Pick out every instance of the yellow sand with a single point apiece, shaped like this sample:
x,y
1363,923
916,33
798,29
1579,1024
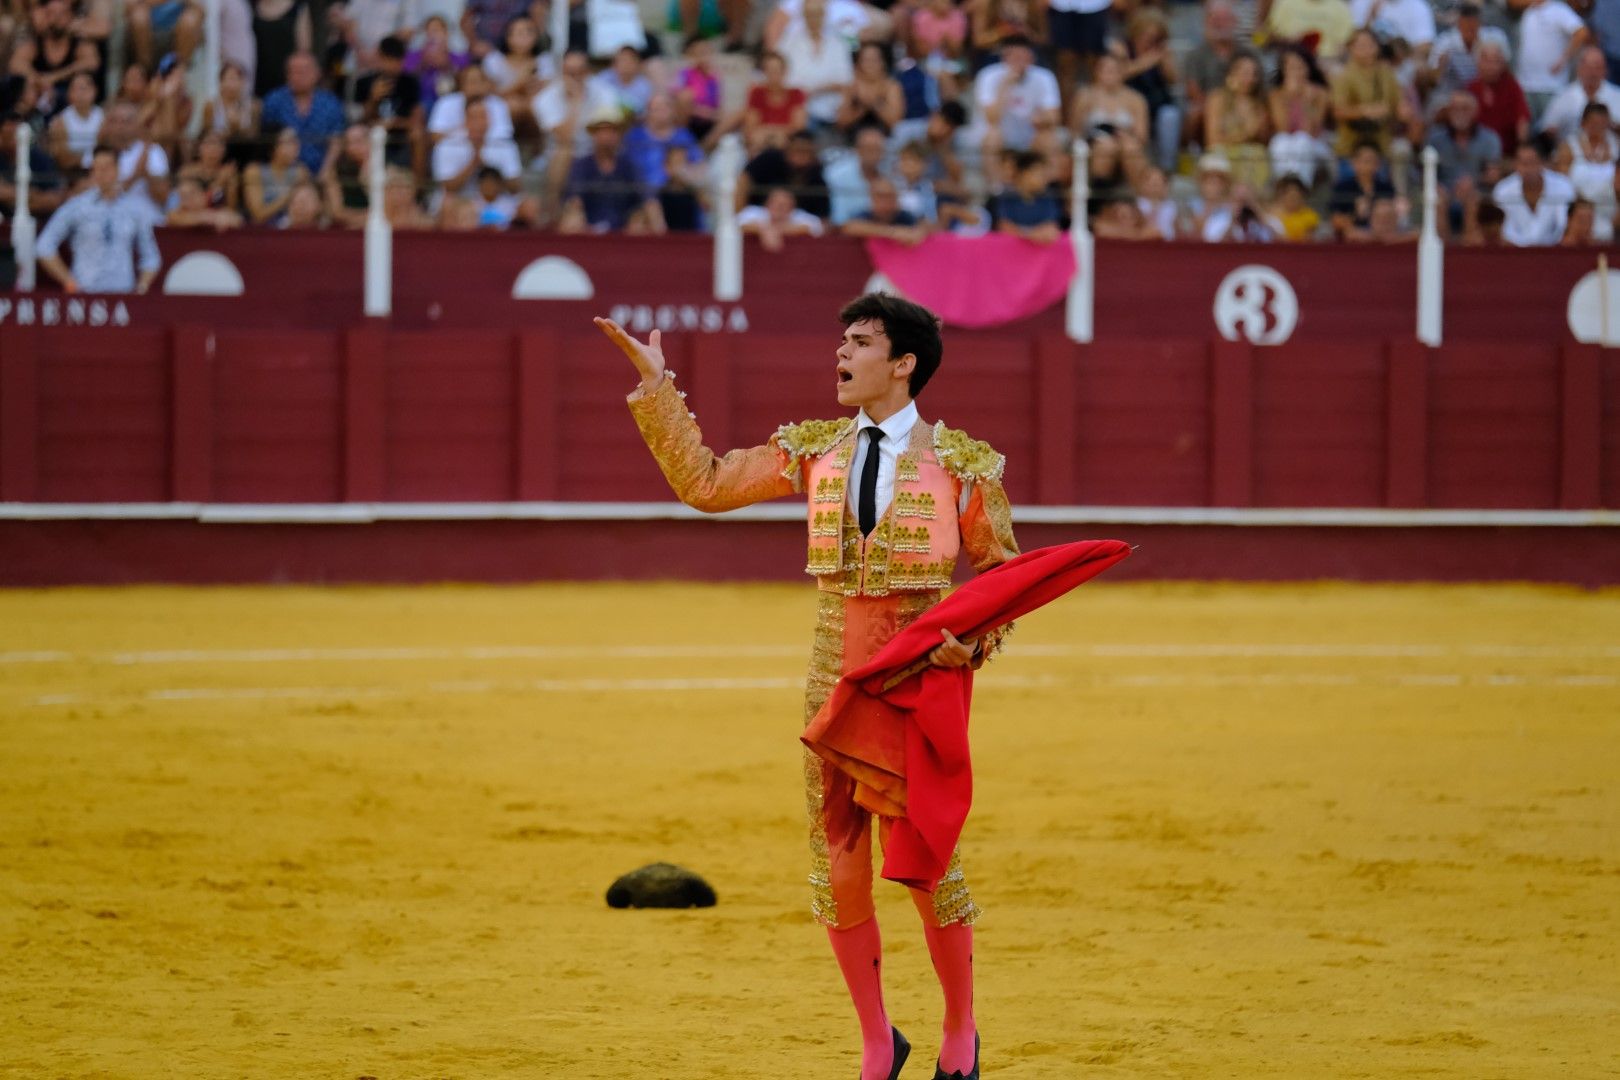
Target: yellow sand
x,y
1221,831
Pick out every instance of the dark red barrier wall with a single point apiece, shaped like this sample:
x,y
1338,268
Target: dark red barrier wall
x,y
369,414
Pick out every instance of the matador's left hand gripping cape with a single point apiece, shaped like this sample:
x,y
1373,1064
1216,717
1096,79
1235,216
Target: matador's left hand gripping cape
x,y
897,725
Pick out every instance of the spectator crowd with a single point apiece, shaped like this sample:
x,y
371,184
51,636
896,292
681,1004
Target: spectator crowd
x,y
1237,120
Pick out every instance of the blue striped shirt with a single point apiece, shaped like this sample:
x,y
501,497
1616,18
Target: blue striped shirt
x,y
111,240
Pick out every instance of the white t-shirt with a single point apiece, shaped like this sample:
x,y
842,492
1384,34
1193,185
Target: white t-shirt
x,y
551,109
1413,20
810,67
845,18
1543,226
449,116
501,73
1036,92
453,154
1563,115
157,164
758,215
1544,33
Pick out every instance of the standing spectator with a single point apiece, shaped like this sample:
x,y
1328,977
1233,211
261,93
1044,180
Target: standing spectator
x,y
235,112
626,83
1565,112
113,247
391,96
458,161
697,94
267,188
1150,70
1535,201
1079,34
1237,122
1207,63
1298,220
1113,119
872,97
159,27
1367,100
1502,105
1453,64
302,105
605,193
795,167
883,219
1028,208
75,130
1588,159
1550,34
1353,197
1298,106
774,110
281,29
849,178
1467,148
434,63
777,219
1410,20
1327,23
649,141
143,166
1018,101
818,62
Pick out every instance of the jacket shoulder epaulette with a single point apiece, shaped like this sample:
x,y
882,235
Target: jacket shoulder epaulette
x,y
966,458
811,438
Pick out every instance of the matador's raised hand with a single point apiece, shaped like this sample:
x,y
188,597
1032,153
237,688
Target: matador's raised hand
x,y
648,358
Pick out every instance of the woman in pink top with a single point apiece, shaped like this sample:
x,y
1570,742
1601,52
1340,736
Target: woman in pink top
x,y
697,93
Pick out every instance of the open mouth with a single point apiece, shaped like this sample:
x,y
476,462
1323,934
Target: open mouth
x,y
844,376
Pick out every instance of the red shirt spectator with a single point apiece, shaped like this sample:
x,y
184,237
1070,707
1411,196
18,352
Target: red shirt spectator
x,y
1502,104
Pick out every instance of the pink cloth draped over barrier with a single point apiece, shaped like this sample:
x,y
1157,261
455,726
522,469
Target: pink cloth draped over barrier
x,y
975,281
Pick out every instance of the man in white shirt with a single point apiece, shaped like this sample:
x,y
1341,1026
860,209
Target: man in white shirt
x,y
448,120
779,218
1017,101
1550,34
457,161
563,105
1410,20
143,167
1079,30
1534,200
818,61
1563,115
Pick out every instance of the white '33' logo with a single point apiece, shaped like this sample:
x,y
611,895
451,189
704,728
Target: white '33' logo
x,y
1256,304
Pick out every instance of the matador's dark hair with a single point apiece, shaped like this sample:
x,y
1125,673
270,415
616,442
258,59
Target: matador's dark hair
x,y
910,328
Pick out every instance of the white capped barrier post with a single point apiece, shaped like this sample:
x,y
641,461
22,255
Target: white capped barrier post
x,y
1078,311
22,221
211,51
728,256
1431,257
379,237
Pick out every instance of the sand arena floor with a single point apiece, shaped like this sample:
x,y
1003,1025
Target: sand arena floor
x,y
1220,831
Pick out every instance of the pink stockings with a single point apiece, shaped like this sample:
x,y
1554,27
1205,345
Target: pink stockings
x,y
951,949
860,958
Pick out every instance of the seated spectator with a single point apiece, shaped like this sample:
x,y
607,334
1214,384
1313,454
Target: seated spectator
x,y
1153,199
494,205
167,113
912,181
1214,177
447,123
1453,64
459,161
48,51
362,26
399,202
519,68
143,166
1300,22
1484,225
680,195
1113,119
883,219
850,176
1028,209
795,167
1122,219
945,125
818,62
1466,147
1588,159
1550,34
158,28
626,83
268,187
1502,105
697,94
1295,216
562,108
872,98
193,211
774,110
73,133
1241,220
235,112
391,96
1298,107
1150,70
1205,67
220,180
346,178
1411,21
1367,102
1018,102
649,141
1384,226
305,209
939,34
777,219
993,22
1567,110
434,63
111,237
1350,208
302,105
1582,228
850,21
1535,201
921,94
604,192
1236,122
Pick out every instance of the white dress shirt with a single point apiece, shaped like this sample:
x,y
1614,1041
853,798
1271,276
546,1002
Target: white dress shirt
x,y
1543,226
896,437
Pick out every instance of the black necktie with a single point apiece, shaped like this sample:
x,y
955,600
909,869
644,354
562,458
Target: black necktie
x,y
869,467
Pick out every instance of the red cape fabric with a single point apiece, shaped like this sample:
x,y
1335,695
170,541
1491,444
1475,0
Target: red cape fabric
x,y
898,727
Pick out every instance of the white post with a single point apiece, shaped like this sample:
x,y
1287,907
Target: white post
x,y
379,237
1431,258
728,256
211,51
22,221
1079,311
559,31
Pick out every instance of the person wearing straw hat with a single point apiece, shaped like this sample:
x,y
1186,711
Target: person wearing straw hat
x,y
605,190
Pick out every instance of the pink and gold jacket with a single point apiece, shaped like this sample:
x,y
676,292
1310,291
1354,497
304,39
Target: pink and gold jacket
x,y
947,495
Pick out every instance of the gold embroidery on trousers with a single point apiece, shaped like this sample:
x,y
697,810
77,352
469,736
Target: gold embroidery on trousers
x,y
826,665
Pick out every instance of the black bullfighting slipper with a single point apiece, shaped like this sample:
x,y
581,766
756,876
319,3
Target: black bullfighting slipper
x,y
941,1074
902,1050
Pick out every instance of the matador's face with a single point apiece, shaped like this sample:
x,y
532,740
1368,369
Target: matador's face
x,y
866,375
